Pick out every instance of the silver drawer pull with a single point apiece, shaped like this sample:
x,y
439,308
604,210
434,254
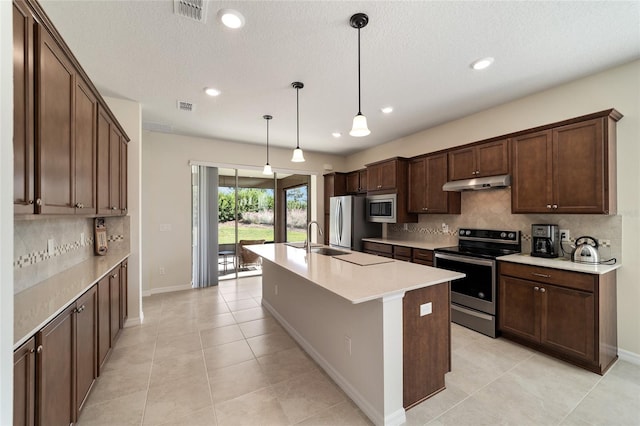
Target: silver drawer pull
x,y
541,275
536,288
542,290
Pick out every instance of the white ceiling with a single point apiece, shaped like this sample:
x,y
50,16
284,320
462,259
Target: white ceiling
x,y
415,57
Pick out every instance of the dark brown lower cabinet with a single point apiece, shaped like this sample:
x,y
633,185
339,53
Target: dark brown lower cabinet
x,y
114,291
426,342
124,288
569,315
86,369
104,322
24,384
55,375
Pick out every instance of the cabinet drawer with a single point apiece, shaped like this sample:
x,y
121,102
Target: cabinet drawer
x,y
422,256
576,280
378,247
400,251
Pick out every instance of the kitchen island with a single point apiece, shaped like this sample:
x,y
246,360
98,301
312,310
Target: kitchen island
x,y
379,327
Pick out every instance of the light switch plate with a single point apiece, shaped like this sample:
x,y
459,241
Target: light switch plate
x,y
426,309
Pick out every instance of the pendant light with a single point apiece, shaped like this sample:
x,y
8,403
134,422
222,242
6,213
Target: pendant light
x,y
359,20
267,167
298,155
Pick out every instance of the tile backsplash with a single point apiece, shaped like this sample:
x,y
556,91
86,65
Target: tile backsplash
x,y
32,261
491,209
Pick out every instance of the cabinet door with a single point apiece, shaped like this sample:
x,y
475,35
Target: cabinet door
x,y
55,150
579,168
102,165
114,307
387,177
124,288
55,386
437,200
24,380
353,183
519,308
417,185
86,108
462,164
104,321
115,145
492,158
568,322
123,176
531,189
86,345
373,178
23,101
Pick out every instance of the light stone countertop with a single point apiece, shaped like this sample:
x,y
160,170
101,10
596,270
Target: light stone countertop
x,y
414,244
559,263
34,307
352,282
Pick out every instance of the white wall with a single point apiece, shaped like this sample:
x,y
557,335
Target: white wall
x,y
615,88
6,212
129,115
166,196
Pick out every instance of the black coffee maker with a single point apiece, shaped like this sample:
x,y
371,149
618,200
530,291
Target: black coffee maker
x,y
545,240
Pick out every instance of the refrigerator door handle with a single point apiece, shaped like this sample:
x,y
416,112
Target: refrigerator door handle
x,y
339,221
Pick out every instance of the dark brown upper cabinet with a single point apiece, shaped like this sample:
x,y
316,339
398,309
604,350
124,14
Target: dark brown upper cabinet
x,y
112,167
479,160
426,176
569,168
357,182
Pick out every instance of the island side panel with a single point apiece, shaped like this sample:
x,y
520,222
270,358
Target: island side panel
x,y
427,342
324,323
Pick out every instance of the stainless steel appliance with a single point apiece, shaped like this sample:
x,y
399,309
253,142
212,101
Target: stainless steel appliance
x,y
473,298
347,224
545,240
586,250
381,208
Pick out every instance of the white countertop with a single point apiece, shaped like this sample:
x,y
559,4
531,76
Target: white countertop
x,y
559,263
413,244
34,307
352,282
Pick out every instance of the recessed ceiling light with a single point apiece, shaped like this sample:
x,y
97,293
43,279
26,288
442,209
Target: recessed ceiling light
x,y
483,63
387,110
336,134
231,18
211,91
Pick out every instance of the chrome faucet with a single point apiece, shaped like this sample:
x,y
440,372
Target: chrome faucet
x,y
308,241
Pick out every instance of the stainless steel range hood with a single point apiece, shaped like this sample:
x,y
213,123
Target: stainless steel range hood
x,y
501,181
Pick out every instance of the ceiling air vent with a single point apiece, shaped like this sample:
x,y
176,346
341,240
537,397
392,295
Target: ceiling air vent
x,y
192,9
186,106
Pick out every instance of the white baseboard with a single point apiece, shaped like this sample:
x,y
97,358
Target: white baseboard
x,y
628,356
146,293
396,418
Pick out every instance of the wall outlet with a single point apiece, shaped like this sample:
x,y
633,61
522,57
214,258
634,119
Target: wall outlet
x,y
275,289
426,309
405,226
347,344
162,270
564,235
82,242
445,228
50,246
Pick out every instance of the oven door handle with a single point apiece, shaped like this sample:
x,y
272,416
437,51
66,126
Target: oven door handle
x,y
472,313
466,259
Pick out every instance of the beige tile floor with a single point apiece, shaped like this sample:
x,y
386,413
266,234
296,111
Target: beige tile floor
x,y
215,357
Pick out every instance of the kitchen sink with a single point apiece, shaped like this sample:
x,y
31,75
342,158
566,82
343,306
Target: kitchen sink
x,y
327,251
301,245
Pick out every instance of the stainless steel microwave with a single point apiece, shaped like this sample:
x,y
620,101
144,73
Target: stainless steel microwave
x,y
382,208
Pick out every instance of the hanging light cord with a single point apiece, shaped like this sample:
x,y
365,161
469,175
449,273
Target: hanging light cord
x,y
359,106
267,141
297,118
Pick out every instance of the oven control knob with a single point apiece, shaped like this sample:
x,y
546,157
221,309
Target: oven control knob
x,y
511,235
468,232
503,234
481,295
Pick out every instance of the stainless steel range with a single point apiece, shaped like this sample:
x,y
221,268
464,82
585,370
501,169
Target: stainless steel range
x,y
473,298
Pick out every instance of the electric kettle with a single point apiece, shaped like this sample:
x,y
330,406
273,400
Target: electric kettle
x,y
586,250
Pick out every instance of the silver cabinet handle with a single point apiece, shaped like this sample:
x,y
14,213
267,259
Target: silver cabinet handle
x,y
536,288
555,206
542,290
79,206
39,349
540,275
425,208
114,276
548,206
39,201
30,201
114,208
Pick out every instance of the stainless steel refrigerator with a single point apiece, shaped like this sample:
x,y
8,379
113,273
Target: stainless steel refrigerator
x,y
347,224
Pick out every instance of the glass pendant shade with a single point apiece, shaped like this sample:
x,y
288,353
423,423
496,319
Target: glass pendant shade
x,y
359,128
298,156
267,169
